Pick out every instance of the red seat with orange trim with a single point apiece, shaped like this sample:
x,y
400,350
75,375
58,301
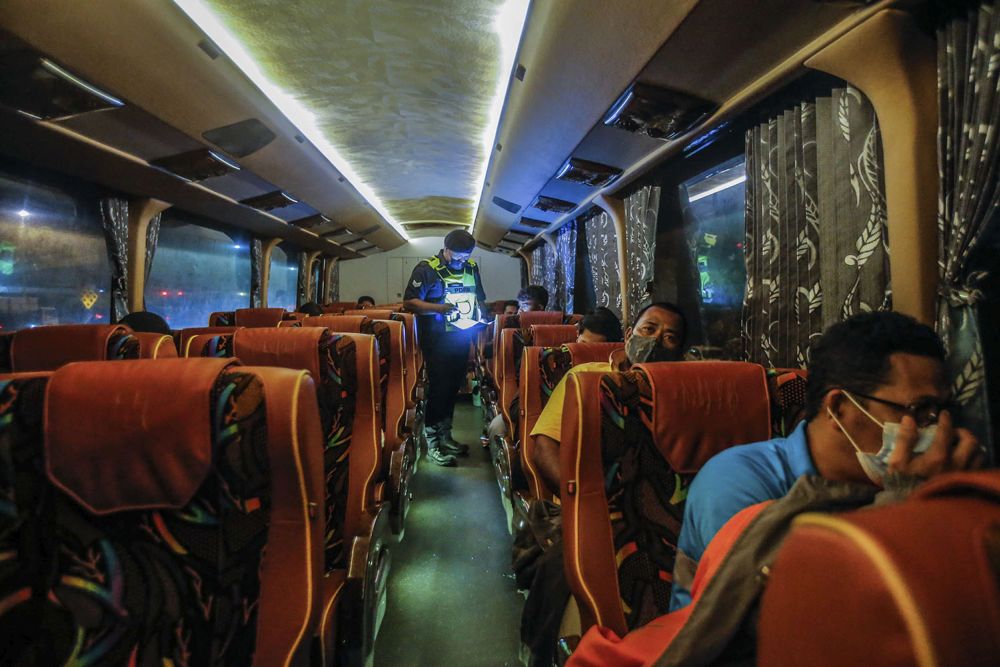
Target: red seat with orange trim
x,y
344,323
550,335
50,347
179,514
258,317
632,443
338,307
372,313
184,336
155,346
222,319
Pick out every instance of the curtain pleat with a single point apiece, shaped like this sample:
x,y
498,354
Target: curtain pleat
x,y
564,256
641,210
302,287
333,286
256,273
603,254
816,244
114,219
969,198
152,238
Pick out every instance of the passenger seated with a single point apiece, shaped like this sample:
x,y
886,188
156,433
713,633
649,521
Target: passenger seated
x,y
511,307
600,326
532,297
658,335
365,303
310,308
143,321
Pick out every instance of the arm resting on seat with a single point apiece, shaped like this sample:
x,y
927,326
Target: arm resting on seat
x,y
546,459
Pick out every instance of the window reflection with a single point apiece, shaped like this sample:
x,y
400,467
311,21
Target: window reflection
x,y
283,281
53,260
197,271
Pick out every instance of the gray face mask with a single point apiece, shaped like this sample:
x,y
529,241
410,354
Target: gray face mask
x,y
645,349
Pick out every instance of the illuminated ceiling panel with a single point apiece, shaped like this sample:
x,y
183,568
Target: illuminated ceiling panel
x,y
406,92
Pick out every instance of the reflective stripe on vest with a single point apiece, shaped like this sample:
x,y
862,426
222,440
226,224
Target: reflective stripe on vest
x,y
467,277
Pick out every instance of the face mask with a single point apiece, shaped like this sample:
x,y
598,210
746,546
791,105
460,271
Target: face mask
x,y
643,349
877,465
456,262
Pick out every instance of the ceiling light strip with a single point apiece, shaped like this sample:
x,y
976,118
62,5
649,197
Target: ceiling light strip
x,y
509,27
296,113
717,189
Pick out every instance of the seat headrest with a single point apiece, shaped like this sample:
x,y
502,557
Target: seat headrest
x,y
259,317
373,313
155,346
530,317
340,323
585,353
132,434
295,348
550,335
703,407
48,348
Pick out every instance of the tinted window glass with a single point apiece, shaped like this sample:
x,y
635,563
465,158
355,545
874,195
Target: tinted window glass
x,y
197,271
53,260
282,283
713,208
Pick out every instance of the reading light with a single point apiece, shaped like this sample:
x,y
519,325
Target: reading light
x,y
509,26
303,119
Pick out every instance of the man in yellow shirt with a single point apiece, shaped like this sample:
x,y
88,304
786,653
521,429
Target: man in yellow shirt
x,y
658,335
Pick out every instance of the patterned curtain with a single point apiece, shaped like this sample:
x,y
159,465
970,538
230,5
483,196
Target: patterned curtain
x,y
302,291
969,198
114,218
256,272
564,261
816,241
539,264
641,209
603,254
333,286
152,238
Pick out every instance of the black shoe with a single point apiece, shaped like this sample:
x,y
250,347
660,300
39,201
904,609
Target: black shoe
x,y
453,447
438,457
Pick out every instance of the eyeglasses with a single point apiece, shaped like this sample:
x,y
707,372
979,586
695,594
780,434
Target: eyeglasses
x,y
925,411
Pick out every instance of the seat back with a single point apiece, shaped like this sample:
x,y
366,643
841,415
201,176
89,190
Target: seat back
x,y
184,336
512,341
414,356
222,319
372,313
338,307
178,515
342,323
531,317
394,357
542,369
259,317
210,345
50,347
787,388
632,443
155,346
550,335
912,583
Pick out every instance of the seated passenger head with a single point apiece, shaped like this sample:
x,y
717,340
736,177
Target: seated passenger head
x,y
311,308
658,334
600,326
365,302
533,297
511,307
143,321
458,247
869,370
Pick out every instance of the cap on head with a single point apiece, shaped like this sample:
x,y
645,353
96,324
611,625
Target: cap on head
x,y
459,240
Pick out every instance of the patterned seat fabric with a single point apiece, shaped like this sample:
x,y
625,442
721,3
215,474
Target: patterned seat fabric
x,y
167,586
213,346
787,388
222,319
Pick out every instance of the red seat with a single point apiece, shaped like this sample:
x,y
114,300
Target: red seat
x,y
344,323
550,335
222,319
50,347
179,514
624,436
183,338
258,317
338,307
155,346
372,313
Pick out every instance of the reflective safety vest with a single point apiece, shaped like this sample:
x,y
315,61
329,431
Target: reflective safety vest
x,y
459,288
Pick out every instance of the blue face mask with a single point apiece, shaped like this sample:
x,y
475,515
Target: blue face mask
x,y
877,465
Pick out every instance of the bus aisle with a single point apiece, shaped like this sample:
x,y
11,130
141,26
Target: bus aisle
x,y
451,597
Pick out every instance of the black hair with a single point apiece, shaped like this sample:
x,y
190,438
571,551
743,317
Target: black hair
x,y
603,321
854,354
310,308
536,292
143,321
670,307
367,298
511,302
459,240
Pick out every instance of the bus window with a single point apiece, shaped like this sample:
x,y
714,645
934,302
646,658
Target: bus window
x,y
53,260
196,271
283,281
713,206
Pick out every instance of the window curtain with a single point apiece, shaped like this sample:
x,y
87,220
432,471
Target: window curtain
x,y
152,238
539,264
302,287
256,273
333,286
603,254
969,198
114,219
816,244
564,261
641,209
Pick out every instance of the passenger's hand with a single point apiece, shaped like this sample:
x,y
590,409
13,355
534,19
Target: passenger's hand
x,y
445,308
952,449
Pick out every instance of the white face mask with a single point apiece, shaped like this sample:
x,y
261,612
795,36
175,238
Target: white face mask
x,y
877,465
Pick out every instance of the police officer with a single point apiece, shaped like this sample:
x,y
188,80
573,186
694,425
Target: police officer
x,y
441,290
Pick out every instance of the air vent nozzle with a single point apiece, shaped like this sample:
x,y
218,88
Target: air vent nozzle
x,y
585,172
196,165
242,138
311,221
659,113
553,205
508,206
270,201
517,237
531,222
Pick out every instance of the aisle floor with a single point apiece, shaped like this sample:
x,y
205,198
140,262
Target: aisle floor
x,y
451,594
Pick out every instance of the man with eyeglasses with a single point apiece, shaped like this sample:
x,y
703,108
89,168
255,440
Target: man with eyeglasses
x,y
445,291
878,410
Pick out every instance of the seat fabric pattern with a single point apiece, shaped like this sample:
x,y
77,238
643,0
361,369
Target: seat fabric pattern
x,y
383,339
554,362
222,319
645,497
218,346
123,345
787,388
139,587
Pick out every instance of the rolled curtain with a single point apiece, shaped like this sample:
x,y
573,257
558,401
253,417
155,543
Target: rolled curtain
x,y
539,264
602,250
564,261
256,273
152,238
114,220
302,286
969,198
641,210
816,244
333,286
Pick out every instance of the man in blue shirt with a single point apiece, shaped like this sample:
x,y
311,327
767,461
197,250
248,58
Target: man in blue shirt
x,y
877,410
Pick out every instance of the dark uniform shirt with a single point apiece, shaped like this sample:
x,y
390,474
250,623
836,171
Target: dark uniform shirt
x,y
426,284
